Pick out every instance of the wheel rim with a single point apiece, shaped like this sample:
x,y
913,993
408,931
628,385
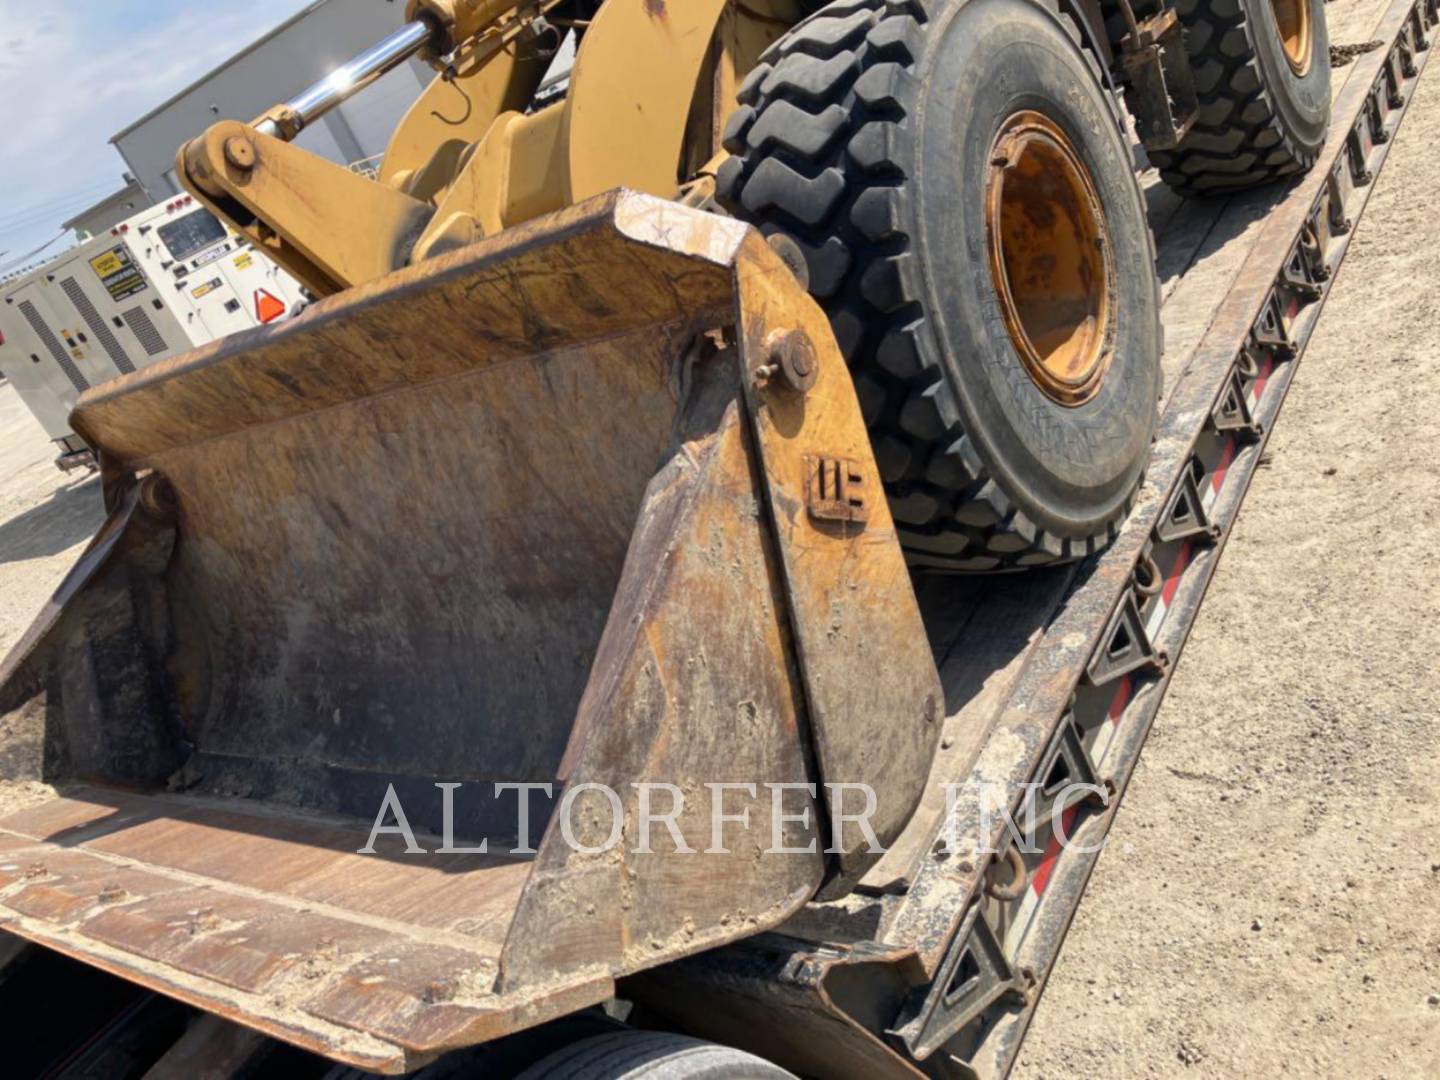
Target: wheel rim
x,y
1292,24
1050,258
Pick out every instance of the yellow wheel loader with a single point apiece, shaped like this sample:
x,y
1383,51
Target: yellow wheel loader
x,y
536,610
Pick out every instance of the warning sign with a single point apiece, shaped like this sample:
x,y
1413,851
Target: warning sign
x,y
109,263
268,307
120,276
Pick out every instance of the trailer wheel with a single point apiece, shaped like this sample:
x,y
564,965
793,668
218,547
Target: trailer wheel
x,y
1262,75
955,176
651,1055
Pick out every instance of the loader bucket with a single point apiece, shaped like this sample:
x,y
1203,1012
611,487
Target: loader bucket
x,y
590,505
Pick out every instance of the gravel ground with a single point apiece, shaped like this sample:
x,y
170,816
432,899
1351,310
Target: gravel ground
x,y
46,517
1270,901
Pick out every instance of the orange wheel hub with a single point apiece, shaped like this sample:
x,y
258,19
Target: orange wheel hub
x,y
1050,258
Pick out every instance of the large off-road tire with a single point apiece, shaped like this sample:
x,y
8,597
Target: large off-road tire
x,y
1262,75
650,1055
869,135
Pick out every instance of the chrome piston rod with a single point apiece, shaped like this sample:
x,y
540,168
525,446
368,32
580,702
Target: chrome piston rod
x,y
344,82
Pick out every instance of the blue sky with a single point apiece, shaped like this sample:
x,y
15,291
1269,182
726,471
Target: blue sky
x,y
74,72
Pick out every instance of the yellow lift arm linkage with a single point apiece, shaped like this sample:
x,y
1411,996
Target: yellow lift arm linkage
x,y
650,91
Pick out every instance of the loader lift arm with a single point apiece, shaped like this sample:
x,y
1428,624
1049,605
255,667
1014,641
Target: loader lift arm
x,y
645,108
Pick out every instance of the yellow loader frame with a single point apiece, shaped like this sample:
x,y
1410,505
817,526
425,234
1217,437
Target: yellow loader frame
x,y
646,106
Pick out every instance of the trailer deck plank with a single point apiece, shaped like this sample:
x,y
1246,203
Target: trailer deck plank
x,y
270,917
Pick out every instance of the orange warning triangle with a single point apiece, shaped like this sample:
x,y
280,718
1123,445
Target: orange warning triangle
x,y
268,308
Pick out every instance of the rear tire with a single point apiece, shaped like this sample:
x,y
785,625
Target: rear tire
x,y
1263,82
651,1055
867,136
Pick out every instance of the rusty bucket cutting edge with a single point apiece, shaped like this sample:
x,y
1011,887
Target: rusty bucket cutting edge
x,y
590,504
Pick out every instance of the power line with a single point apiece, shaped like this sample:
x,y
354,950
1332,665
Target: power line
x,y
53,216
16,230
22,259
53,199
96,183
57,205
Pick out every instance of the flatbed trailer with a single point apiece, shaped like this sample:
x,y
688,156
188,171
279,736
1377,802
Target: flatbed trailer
x,y
1052,678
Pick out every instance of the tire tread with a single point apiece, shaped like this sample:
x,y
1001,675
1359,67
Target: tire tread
x,y
850,207
1239,139
647,1055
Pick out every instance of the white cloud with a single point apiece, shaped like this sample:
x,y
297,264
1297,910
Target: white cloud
x,y
70,80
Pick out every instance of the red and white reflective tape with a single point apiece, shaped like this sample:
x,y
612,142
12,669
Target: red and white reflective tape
x,y
1124,691
1211,491
1024,915
1039,881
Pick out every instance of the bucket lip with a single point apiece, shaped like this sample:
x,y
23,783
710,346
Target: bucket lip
x,y
240,370
682,229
